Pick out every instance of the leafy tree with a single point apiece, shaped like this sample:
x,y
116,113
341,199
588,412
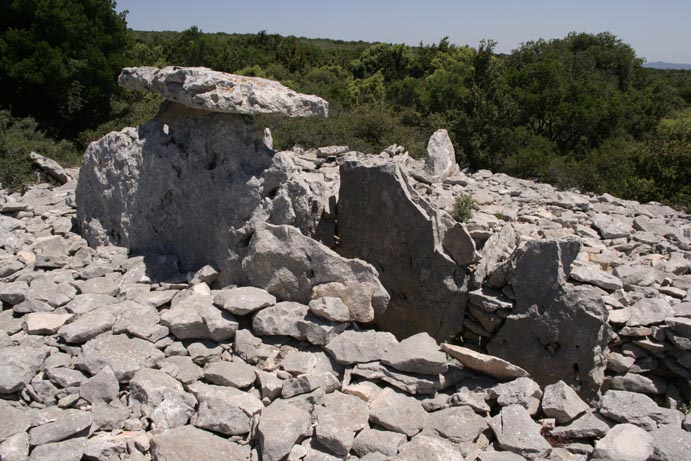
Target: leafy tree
x,y
59,60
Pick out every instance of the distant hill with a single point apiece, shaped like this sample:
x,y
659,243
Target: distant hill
x,y
667,65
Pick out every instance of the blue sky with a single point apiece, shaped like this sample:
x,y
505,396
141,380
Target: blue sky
x,y
658,30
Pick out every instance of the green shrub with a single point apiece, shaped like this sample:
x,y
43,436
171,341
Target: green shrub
x,y
463,208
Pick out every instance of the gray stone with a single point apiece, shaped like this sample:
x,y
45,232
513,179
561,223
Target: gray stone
x,y
55,294
440,161
612,226
561,402
187,443
319,331
102,386
624,442
12,421
354,295
635,275
18,364
590,425
161,398
457,424
197,318
206,274
638,383
331,308
89,325
224,409
398,413
108,416
50,167
205,89
597,277
269,385
489,300
8,268
32,305
638,409
670,443
499,456
521,391
338,420
15,448
289,265
681,325
234,374
65,377
69,450
411,383
182,368
44,323
280,427
69,424
487,364
140,320
539,335
243,300
424,447
83,303
649,311
303,384
330,151
429,288
281,319
419,353
518,433
376,441
498,247
14,292
459,244
124,355
360,346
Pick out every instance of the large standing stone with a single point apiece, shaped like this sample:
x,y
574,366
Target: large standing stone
x,y
187,443
427,287
539,335
202,88
289,265
441,157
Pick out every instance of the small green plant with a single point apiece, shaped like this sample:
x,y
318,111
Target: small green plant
x,y
462,209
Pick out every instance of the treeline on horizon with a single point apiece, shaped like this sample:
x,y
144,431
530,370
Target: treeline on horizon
x,y
577,112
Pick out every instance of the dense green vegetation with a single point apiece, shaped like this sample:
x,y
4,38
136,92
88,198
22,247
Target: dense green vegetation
x,y
579,111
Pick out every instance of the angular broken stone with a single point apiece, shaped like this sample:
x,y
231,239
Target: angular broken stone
x,y
521,391
590,425
243,300
234,374
44,323
360,346
68,450
15,448
88,325
187,443
670,443
419,353
12,421
397,412
280,427
596,277
318,331
372,441
202,88
102,386
197,318
649,311
338,420
18,364
224,409
487,364
637,409
182,368
518,433
330,308
162,398
561,402
428,448
124,355
357,297
457,424
280,319
67,425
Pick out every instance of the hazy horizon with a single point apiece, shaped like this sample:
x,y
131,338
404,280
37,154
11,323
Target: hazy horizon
x,y
658,32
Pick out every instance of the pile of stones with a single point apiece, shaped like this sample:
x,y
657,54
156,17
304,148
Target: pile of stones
x,y
194,295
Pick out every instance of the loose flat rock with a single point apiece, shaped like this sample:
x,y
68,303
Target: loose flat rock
x,y
590,425
517,432
649,311
243,300
124,355
162,398
18,364
44,323
15,448
424,447
561,402
281,319
360,346
487,364
338,420
68,424
637,409
671,443
596,277
370,441
398,413
12,421
624,442
280,427
187,443
224,409
202,88
457,424
69,450
197,318
419,353
235,374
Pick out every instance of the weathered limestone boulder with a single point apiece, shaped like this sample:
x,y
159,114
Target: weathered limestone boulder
x,y
202,88
164,187
541,335
440,161
384,221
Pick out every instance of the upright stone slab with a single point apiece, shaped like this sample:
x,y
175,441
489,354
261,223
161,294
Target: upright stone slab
x,y
382,220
